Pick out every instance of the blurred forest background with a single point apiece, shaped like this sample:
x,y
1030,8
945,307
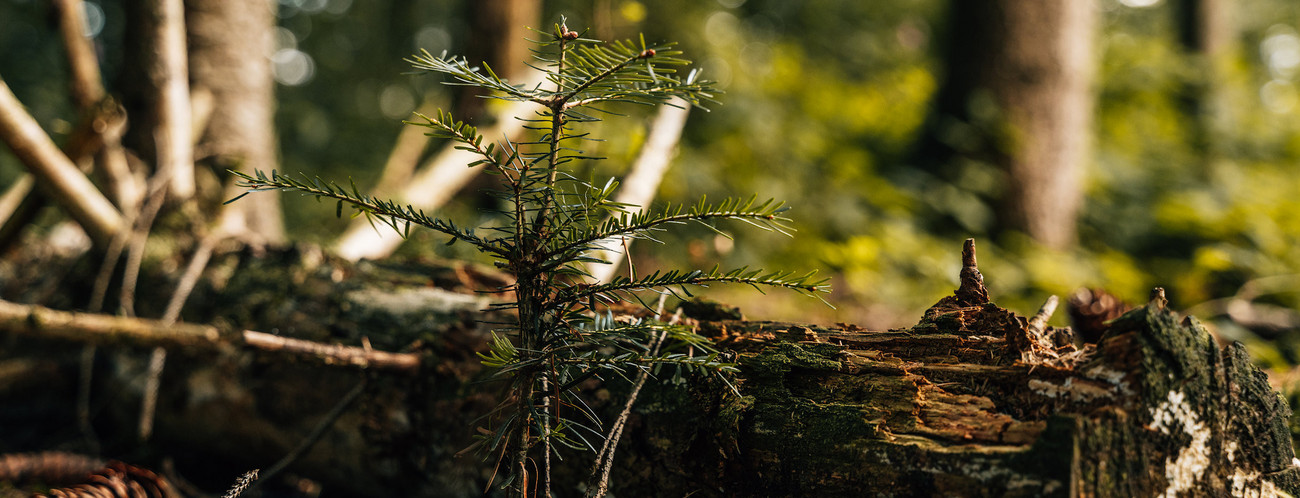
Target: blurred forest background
x,y
1167,135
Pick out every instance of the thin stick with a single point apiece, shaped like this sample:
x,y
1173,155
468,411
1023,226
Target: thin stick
x,y
96,328
89,94
83,397
139,237
190,277
111,256
17,208
149,399
605,458
316,433
87,88
65,183
126,301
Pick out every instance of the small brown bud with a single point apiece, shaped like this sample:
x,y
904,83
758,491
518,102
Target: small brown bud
x,y
571,35
647,53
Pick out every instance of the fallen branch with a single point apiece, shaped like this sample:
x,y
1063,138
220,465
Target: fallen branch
x,y
69,187
96,328
334,354
87,88
90,96
20,204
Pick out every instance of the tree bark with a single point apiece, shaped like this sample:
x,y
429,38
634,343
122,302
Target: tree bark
x,y
972,401
1020,72
230,44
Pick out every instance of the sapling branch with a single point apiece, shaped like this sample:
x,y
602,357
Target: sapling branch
x,y
388,212
557,338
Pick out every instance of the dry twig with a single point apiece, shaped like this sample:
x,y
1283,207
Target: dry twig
x,y
47,323
69,187
88,93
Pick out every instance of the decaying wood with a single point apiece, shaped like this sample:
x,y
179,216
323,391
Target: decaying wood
x,y
974,400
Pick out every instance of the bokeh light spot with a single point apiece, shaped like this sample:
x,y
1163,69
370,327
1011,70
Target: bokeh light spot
x,y
94,19
722,28
1278,96
1281,51
433,38
396,101
292,67
633,12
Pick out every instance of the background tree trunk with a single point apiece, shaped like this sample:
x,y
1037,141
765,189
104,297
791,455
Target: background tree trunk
x,y
499,29
230,44
1022,71
1207,32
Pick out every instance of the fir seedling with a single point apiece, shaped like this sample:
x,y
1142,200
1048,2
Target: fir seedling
x,y
552,225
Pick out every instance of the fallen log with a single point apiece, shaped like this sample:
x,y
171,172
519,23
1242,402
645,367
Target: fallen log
x,y
974,400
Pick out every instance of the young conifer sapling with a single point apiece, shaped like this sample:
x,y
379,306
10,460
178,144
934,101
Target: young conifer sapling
x,y
552,223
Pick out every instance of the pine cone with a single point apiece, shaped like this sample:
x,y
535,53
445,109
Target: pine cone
x,y
82,476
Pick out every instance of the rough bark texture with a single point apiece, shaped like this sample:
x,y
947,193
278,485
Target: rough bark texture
x,y
1021,72
972,401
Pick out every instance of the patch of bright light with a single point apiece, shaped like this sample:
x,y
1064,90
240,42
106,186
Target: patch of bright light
x,y
94,19
292,67
1279,96
396,101
1281,52
433,38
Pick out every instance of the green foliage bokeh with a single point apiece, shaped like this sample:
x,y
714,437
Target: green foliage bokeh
x,y
825,100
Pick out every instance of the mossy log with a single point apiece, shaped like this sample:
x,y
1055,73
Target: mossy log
x,y
972,401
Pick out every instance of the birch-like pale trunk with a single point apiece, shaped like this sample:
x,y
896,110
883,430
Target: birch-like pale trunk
x,y
642,183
